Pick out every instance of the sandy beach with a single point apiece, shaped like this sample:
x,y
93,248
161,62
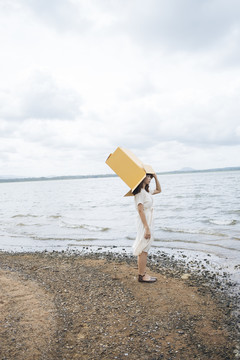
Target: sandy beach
x,y
66,306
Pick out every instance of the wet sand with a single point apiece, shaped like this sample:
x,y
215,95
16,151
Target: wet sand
x,y
73,306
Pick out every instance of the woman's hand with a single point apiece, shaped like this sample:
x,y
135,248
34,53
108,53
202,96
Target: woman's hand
x,y
147,233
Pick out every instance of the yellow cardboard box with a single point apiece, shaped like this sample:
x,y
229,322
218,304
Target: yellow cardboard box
x,y
128,167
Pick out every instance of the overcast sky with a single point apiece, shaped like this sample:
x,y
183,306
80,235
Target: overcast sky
x,y
78,78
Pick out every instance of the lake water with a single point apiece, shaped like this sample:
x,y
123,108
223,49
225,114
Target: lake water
x,y
197,215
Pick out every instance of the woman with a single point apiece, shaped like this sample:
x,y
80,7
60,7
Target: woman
x,y
144,204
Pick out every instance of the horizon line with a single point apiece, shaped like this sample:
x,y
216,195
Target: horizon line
x,y
72,177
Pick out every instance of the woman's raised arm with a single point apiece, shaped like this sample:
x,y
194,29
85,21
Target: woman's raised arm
x,y
158,186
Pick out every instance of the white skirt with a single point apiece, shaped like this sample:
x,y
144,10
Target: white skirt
x,y
141,244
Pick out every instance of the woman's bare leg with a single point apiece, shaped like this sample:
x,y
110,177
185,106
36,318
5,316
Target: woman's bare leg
x,y
142,262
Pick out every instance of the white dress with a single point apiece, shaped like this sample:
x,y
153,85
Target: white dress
x,y
141,244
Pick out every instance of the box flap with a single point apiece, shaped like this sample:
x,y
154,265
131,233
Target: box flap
x,y
129,193
148,169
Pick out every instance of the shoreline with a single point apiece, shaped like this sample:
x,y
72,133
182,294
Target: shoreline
x,y
227,270
193,263
90,305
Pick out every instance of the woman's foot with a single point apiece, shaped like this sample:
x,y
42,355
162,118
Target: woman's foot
x,y
146,278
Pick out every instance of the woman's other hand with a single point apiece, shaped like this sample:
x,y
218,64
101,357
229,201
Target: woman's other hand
x,y
147,233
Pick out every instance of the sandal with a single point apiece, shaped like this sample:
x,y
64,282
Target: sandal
x,y
151,280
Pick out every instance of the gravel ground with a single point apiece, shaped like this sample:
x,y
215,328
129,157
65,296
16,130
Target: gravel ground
x,y
91,306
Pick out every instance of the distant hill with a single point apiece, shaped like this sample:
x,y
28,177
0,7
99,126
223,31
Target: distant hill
x,y
73,177
187,169
190,170
4,179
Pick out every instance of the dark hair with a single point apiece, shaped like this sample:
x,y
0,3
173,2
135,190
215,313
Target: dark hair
x,y
140,186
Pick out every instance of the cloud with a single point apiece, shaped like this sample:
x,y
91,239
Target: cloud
x,y
172,25
175,26
45,99
64,16
186,25
176,155
40,98
61,15
208,117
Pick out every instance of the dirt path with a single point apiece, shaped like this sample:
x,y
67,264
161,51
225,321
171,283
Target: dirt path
x,y
26,317
64,307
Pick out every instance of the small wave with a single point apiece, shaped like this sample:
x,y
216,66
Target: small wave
x,y
86,239
85,227
22,224
195,243
24,216
41,238
234,211
163,241
191,231
55,216
105,229
222,222
199,251
71,226
176,241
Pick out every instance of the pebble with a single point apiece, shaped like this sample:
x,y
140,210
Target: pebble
x,y
185,276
